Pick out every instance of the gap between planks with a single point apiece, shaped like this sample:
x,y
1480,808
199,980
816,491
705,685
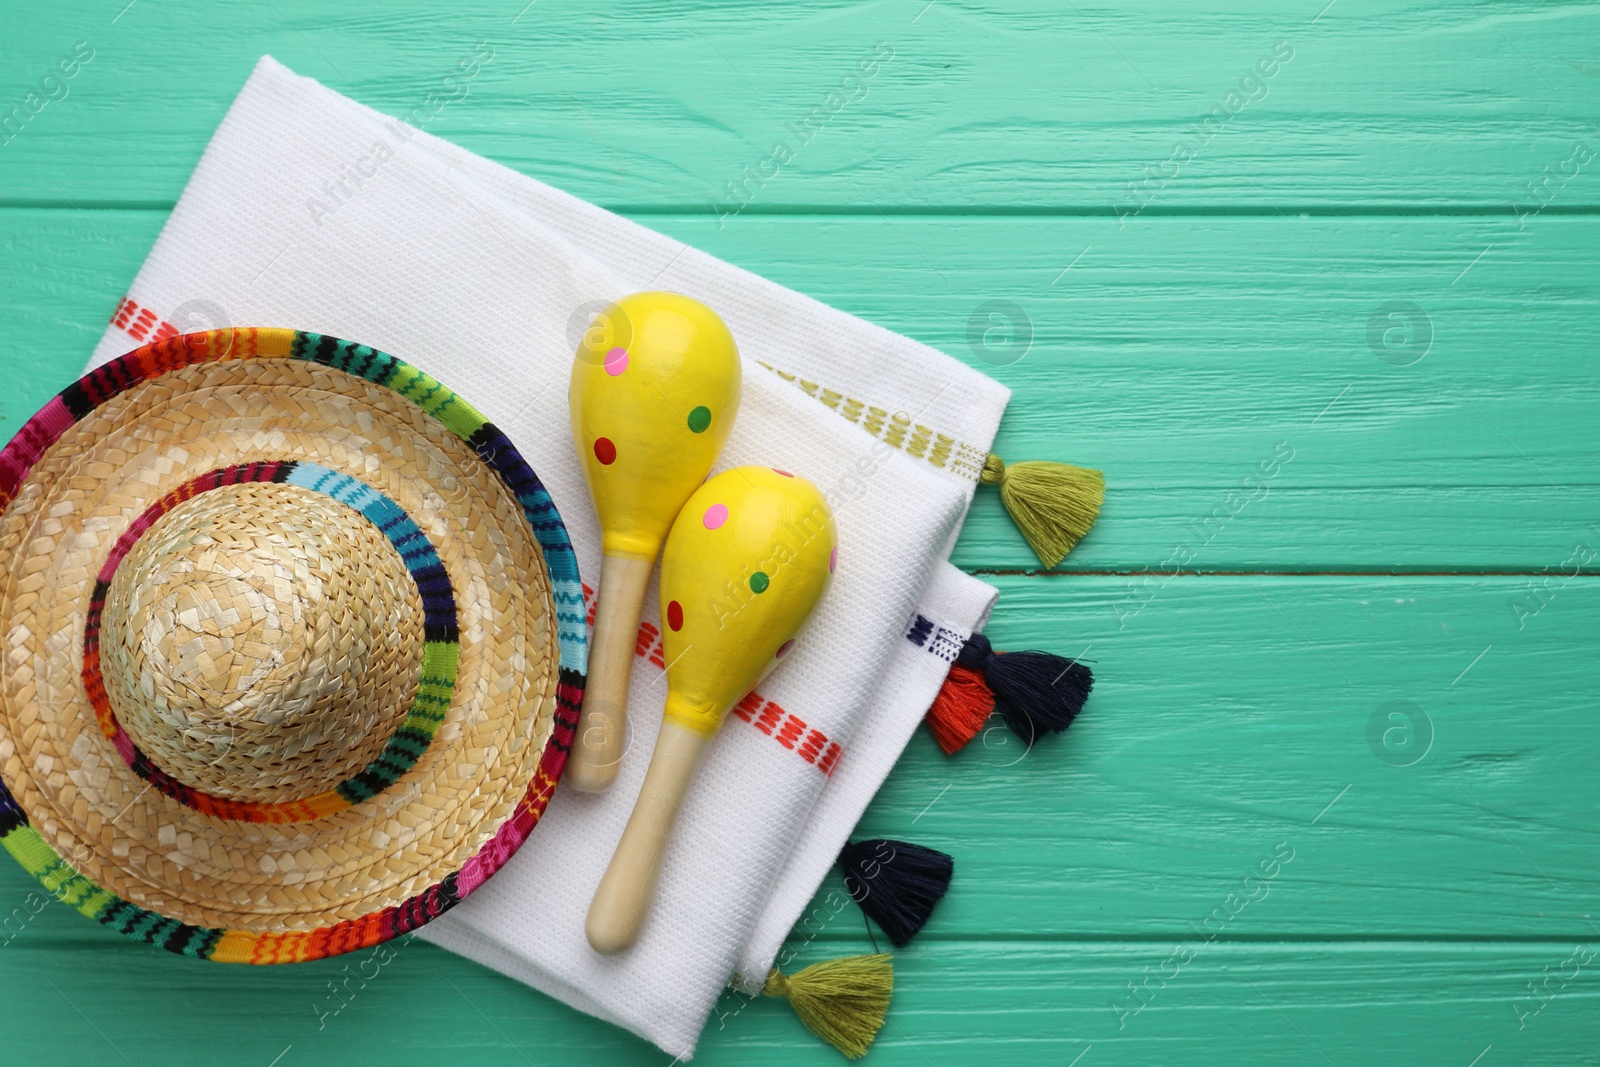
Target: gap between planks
x,y
1132,572
929,935
1095,211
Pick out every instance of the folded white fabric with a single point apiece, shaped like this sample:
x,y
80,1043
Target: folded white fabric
x,y
952,606
311,211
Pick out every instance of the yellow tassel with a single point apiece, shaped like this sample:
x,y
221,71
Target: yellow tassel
x,y
1053,504
842,1001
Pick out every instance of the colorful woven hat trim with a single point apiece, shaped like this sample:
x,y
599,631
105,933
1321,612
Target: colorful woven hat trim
x,y
440,651
64,881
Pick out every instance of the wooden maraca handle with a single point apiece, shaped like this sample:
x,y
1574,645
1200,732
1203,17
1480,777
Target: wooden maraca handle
x,y
617,913
603,723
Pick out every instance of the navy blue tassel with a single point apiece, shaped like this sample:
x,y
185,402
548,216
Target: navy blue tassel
x,y
1035,692
896,883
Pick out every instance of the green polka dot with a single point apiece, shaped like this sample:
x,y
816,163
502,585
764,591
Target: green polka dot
x,y
699,419
759,582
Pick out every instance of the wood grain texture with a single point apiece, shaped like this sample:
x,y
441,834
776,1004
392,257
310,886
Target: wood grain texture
x,y
1406,106
1242,852
1021,1002
1232,713
1179,357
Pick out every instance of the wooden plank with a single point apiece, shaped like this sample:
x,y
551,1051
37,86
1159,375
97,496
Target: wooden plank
x,y
1235,715
1026,106
1188,358
1240,720
1410,381
62,273
1022,1002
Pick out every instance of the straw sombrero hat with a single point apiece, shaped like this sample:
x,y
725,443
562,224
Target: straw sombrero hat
x,y
291,646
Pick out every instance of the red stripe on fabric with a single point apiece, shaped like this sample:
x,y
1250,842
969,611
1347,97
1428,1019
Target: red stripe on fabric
x,y
812,745
829,758
746,708
646,638
770,716
790,732
569,695
755,709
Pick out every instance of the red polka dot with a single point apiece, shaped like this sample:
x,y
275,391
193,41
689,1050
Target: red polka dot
x,y
675,616
786,474
784,648
605,451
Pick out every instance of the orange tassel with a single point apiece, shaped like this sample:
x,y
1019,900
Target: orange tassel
x,y
961,708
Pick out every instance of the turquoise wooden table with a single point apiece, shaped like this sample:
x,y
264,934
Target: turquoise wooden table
x,y
1317,285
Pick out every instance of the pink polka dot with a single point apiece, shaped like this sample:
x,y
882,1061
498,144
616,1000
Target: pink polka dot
x,y
833,559
715,516
616,361
786,474
784,648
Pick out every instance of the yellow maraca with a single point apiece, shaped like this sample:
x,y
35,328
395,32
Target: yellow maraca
x,y
654,391
746,561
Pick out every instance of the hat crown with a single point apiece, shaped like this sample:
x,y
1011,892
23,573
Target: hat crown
x,y
262,642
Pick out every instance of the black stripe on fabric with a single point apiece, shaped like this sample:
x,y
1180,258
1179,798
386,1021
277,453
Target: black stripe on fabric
x,y
178,938
120,916
411,741
77,400
201,942
385,371
361,787
11,813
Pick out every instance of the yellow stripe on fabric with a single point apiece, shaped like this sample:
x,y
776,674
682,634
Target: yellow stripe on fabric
x,y
235,946
274,343
897,430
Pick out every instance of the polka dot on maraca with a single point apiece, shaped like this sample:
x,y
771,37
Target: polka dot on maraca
x,y
715,516
616,361
783,649
786,474
699,419
833,559
605,451
675,616
759,582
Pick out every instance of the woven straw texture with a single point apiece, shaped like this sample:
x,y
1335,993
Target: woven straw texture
x,y
214,639
262,642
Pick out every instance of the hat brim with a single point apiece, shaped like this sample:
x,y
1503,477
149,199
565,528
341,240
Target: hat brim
x,y
208,883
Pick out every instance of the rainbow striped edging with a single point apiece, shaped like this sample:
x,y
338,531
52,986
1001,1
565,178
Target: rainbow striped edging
x,y
74,403
440,648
